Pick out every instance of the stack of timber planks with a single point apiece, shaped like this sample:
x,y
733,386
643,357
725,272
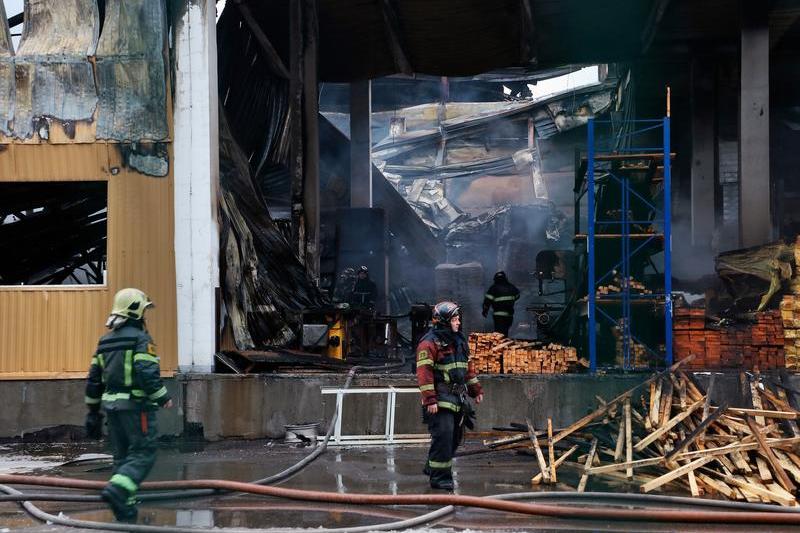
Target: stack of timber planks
x,y
636,287
757,345
493,353
668,435
790,315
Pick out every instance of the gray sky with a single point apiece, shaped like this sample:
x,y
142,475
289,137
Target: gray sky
x,y
12,8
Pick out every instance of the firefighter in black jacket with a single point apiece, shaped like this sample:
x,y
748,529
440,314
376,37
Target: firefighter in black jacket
x,y
125,380
502,295
365,292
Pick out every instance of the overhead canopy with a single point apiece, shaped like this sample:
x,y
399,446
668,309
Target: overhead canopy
x,y
361,39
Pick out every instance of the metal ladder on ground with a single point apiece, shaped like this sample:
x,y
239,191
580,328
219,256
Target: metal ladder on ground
x,y
389,436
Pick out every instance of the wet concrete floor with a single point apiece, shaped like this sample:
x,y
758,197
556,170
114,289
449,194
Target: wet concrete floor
x,y
372,470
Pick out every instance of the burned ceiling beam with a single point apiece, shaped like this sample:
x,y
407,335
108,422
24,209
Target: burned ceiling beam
x,y
657,11
394,35
273,58
527,33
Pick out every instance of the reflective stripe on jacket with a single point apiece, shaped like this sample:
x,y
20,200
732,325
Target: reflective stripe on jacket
x,y
501,296
125,372
441,365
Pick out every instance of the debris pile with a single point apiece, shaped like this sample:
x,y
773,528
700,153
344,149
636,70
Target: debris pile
x,y
668,435
494,353
743,345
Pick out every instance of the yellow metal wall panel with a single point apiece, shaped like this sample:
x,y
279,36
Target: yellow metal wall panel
x,y
59,162
6,162
51,332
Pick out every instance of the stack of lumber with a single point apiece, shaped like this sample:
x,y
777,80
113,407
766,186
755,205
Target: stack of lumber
x,y
636,287
757,345
667,435
790,315
493,353
482,353
640,356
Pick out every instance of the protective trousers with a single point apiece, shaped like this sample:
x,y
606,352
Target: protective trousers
x,y
133,435
446,432
502,324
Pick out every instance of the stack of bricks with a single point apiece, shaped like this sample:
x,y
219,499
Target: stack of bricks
x,y
493,353
790,314
741,346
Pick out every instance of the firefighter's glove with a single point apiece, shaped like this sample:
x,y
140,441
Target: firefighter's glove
x,y
94,425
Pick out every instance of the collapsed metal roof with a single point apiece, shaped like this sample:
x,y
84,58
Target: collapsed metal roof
x,y
360,40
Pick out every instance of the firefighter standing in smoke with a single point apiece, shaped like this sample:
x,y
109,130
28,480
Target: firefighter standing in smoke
x,y
445,376
125,378
365,292
502,295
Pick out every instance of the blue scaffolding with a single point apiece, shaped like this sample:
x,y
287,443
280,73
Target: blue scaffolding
x,y
611,169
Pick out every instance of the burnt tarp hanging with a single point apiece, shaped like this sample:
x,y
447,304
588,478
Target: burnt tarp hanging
x,y
6,74
131,71
264,284
256,102
54,78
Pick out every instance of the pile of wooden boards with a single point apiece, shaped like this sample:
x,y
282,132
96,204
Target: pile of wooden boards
x,y
636,287
756,345
668,435
790,315
494,353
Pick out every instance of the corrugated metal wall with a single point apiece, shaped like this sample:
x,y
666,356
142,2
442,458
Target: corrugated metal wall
x,y
51,332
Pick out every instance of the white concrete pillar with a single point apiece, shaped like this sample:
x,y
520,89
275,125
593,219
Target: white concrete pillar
x,y
196,148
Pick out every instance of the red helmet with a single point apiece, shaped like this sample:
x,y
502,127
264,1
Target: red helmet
x,y
443,312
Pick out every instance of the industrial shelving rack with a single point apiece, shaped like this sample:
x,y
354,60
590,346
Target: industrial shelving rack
x,y
636,182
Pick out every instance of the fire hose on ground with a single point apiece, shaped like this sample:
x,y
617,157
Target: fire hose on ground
x,y
494,503
737,513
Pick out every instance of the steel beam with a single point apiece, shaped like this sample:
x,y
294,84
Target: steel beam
x,y
360,144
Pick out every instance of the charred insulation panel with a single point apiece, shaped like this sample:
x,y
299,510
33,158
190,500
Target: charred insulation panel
x,y
6,75
131,71
53,233
54,78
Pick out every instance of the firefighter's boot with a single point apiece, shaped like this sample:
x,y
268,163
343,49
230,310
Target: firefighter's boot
x,y
122,503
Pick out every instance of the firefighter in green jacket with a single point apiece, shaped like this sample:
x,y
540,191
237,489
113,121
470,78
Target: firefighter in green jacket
x,y
125,380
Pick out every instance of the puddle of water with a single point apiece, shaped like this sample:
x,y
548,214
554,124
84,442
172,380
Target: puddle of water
x,y
375,470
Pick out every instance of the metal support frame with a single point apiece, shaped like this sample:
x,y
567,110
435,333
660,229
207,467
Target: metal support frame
x,y
624,233
389,436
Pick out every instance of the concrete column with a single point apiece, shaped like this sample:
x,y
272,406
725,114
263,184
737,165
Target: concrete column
x,y
360,144
703,153
196,149
755,220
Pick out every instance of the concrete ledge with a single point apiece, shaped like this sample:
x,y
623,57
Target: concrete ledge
x,y
219,406
34,405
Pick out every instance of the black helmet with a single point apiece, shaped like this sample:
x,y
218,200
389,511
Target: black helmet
x,y
443,312
363,269
500,276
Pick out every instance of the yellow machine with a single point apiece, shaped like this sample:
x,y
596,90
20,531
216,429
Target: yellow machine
x,y
336,334
341,332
